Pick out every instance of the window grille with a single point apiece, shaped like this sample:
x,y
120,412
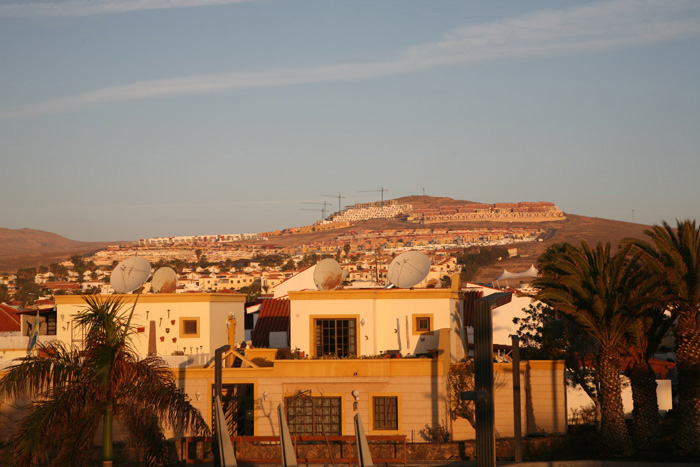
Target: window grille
x,y
314,416
386,413
336,337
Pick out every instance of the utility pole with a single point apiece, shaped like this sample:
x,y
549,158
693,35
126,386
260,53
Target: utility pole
x,y
382,190
323,209
339,198
311,209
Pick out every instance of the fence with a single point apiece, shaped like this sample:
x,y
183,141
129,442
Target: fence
x,y
308,449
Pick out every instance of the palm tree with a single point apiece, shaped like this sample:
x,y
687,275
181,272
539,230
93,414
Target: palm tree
x,y
72,390
600,293
675,256
644,337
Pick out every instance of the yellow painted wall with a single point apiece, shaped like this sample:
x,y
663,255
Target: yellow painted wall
x,y
547,394
385,317
419,384
211,309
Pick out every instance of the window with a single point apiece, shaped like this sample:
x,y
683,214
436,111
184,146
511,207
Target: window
x,y
422,324
386,413
313,416
239,407
335,337
189,327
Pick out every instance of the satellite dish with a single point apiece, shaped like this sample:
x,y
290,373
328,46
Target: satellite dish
x,y
408,269
327,274
130,274
164,281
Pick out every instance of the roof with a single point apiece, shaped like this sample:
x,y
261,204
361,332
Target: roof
x,y
9,321
273,317
532,272
470,298
61,285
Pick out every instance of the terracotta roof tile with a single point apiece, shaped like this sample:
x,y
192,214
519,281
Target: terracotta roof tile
x,y
273,317
9,320
470,297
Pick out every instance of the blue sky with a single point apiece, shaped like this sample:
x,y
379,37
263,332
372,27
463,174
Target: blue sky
x,y
139,118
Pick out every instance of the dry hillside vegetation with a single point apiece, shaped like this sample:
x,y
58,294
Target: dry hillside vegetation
x,y
21,248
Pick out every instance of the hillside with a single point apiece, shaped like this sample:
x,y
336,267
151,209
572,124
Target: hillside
x,y
21,248
26,247
572,230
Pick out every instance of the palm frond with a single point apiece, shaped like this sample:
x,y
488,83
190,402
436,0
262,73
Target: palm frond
x,y
55,422
71,389
54,365
146,434
152,381
593,287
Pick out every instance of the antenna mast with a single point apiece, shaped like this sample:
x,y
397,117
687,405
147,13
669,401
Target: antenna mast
x,y
374,191
323,209
339,198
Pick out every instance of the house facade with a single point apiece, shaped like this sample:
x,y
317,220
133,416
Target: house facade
x,y
382,353
394,396
372,322
167,324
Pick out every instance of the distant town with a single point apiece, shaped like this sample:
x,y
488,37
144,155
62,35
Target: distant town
x,y
256,262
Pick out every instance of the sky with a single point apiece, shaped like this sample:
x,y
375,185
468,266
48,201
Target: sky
x,y
128,119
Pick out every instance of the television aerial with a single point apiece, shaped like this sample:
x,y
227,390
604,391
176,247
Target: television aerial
x,y
164,281
408,269
327,274
339,196
130,274
382,191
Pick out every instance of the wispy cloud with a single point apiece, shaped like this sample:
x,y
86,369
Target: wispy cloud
x,y
98,7
176,205
582,29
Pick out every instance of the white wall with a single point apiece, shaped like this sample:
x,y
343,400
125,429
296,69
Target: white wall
x,y
503,326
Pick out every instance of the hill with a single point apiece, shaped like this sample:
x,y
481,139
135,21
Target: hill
x,y
26,247
571,229
22,248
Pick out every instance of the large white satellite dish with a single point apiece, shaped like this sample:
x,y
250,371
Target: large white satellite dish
x,y
130,274
164,281
408,269
327,274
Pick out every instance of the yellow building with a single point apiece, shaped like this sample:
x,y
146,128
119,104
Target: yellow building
x,y
398,396
371,322
191,323
382,353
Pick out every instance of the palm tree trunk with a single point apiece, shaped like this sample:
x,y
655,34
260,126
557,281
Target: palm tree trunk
x,y
107,445
646,424
615,436
688,364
